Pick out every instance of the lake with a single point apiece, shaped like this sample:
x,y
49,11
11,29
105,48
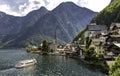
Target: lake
x,y
46,65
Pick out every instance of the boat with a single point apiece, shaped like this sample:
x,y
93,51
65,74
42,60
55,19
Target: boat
x,y
26,63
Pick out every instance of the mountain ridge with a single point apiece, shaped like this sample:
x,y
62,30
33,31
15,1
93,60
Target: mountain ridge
x,y
68,19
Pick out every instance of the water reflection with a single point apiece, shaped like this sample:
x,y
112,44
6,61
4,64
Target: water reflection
x,y
46,65
28,70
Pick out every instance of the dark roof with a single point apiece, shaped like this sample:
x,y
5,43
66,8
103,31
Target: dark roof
x,y
108,56
114,44
117,44
97,27
114,24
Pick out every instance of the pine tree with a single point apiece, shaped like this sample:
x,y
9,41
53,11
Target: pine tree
x,y
45,47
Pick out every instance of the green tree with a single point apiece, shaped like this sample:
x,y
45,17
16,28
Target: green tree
x,y
80,35
45,47
88,43
115,68
110,14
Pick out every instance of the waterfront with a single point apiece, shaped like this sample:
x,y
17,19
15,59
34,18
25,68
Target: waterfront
x,y
46,66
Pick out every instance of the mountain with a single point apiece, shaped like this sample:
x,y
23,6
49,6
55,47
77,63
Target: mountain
x,y
8,24
12,25
110,14
65,21
33,17
68,19
19,25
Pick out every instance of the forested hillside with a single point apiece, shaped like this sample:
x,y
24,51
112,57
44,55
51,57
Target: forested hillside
x,y
110,14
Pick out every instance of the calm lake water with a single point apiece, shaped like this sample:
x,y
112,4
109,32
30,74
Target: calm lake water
x,y
46,66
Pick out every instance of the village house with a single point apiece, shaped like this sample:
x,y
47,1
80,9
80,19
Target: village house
x,y
114,48
113,51
106,43
115,32
60,48
94,30
98,46
98,35
67,48
112,44
115,28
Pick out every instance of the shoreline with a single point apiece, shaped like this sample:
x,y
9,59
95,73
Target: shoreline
x,y
103,68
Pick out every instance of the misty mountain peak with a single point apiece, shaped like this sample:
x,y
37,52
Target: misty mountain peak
x,y
67,5
42,10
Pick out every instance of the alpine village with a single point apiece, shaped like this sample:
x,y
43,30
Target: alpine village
x,y
96,44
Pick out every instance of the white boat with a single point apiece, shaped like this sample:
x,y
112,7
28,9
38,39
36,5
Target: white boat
x,y
25,63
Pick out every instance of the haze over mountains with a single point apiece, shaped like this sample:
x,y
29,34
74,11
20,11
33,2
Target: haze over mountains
x,y
67,20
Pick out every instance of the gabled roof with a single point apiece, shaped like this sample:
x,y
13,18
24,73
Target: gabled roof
x,y
117,24
97,27
117,44
115,36
114,24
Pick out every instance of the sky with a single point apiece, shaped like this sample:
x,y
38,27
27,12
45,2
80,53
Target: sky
x,y
23,7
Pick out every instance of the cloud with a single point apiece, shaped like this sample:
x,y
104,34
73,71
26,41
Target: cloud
x,y
7,9
52,4
30,5
4,7
23,7
95,5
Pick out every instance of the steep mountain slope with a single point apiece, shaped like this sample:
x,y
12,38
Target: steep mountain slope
x,y
32,17
13,25
67,20
109,14
8,24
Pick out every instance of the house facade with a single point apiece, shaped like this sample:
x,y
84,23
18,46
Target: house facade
x,y
115,28
115,32
94,30
114,48
97,33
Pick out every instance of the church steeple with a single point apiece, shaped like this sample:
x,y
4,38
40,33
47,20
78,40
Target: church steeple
x,y
55,40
